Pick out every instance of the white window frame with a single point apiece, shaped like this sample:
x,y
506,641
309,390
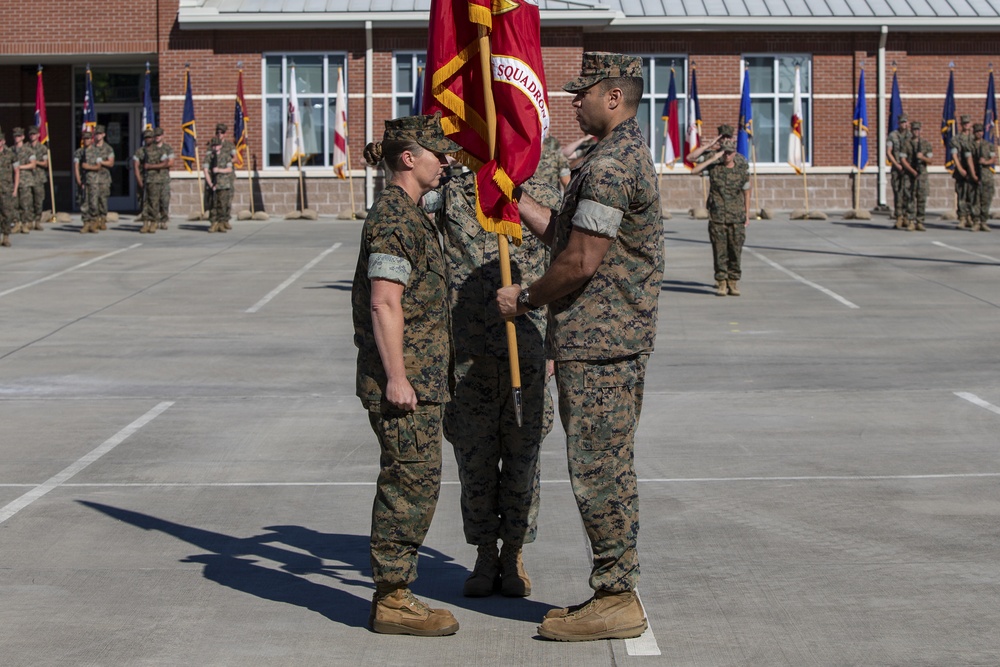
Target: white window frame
x,y
329,96
417,59
657,100
806,61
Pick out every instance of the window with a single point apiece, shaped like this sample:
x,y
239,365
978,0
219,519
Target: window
x,y
772,89
405,70
656,84
316,88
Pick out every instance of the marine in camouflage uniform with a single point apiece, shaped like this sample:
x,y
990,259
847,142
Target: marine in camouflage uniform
x,y
400,245
984,158
896,146
41,174
158,157
87,139
601,331
139,171
24,221
498,463
219,177
97,162
9,182
961,157
728,205
919,154
228,148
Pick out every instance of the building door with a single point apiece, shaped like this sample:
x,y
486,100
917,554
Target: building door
x,y
122,135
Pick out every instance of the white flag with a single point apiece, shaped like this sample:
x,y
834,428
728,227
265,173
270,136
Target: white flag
x,y
340,129
294,144
795,136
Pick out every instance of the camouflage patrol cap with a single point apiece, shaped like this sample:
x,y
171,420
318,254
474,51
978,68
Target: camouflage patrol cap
x,y
977,127
599,65
425,130
99,129
727,146
726,130
147,134
915,125
965,118
215,141
158,132
903,118
33,129
17,132
87,134
221,127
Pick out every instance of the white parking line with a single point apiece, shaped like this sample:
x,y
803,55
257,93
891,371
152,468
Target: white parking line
x,y
802,280
16,506
967,252
975,400
65,271
295,276
644,644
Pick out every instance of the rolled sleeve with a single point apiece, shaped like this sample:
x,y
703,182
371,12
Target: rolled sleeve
x,y
598,218
389,267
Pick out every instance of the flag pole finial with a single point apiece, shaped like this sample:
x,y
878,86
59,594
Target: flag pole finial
x,y
952,64
239,64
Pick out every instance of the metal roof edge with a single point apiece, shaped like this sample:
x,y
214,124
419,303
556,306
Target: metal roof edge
x,y
624,23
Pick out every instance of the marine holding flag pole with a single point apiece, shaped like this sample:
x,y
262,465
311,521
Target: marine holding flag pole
x,y
42,123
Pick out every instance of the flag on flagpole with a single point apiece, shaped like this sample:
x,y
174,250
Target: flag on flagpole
x,y
745,134
41,118
948,122
521,109
89,112
240,120
418,93
189,147
860,156
340,129
294,147
693,139
671,130
795,152
895,104
990,115
148,116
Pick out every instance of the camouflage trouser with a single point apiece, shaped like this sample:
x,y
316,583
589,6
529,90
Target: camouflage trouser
x,y
599,404
25,206
921,188
497,460
156,201
984,200
97,200
81,202
38,201
727,248
409,481
7,211
963,189
900,193
222,202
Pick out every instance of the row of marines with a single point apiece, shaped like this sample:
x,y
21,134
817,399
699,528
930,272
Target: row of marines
x,y
23,181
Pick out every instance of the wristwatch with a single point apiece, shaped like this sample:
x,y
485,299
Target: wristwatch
x,y
524,299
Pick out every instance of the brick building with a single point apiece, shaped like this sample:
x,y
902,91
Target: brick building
x,y
380,44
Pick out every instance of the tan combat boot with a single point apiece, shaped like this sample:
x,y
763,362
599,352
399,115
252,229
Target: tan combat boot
x,y
734,289
973,226
104,225
963,223
227,225
485,577
38,226
16,229
85,228
899,222
910,225
213,228
514,581
400,612
720,288
145,228
605,616
920,227
983,227
5,241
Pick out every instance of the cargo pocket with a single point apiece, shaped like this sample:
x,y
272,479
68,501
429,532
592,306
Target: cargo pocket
x,y
408,438
608,407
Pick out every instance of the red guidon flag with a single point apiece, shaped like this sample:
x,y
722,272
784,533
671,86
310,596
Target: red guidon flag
x,y
521,107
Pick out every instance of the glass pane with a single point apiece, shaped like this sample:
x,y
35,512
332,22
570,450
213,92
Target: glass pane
x,y
645,75
643,117
764,130
785,128
404,73
331,127
404,107
335,62
308,74
272,75
807,76
761,75
663,76
273,129
313,125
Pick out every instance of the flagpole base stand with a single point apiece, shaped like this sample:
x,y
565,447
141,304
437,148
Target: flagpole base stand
x,y
518,412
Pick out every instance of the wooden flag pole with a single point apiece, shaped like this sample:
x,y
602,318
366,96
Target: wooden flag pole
x,y
302,187
805,186
663,159
347,152
505,277
52,185
753,156
246,147
857,181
